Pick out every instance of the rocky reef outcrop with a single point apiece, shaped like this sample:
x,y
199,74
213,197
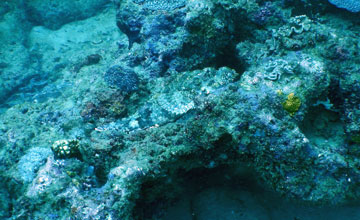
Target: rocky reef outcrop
x,y
113,111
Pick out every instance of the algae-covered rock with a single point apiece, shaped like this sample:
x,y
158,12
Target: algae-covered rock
x,y
350,5
31,162
185,37
53,14
15,68
5,203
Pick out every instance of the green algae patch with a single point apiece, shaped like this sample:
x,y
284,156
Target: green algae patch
x,y
292,104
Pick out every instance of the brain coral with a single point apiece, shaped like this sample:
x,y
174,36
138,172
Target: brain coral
x,y
161,4
123,78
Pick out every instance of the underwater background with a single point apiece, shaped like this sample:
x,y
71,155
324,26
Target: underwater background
x,y
179,109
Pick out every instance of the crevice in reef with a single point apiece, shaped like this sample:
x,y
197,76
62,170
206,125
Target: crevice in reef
x,y
227,58
159,198
324,128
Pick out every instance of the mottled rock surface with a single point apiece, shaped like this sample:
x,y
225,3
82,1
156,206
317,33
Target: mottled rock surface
x,y
54,14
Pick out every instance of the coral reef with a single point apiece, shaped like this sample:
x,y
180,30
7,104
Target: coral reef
x,y
116,111
65,148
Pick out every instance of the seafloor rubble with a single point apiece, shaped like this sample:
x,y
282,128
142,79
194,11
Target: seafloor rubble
x,y
112,110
